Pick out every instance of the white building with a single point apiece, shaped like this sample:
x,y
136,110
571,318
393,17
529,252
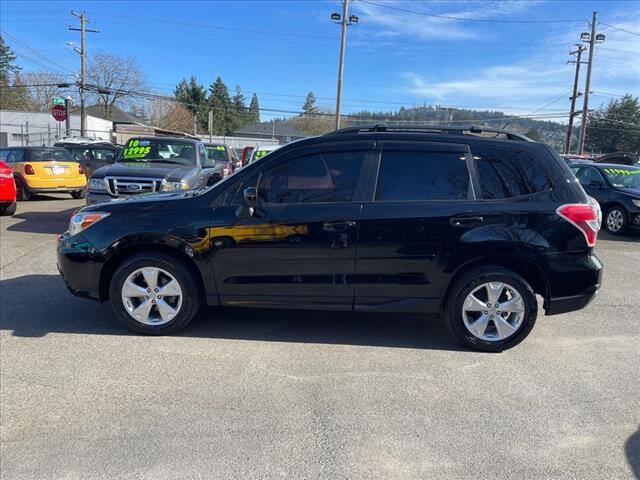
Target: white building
x,y
35,128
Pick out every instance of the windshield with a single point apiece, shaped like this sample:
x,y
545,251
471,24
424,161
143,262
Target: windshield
x,y
218,153
258,154
623,176
157,150
48,154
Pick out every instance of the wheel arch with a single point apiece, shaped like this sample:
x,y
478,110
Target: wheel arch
x,y
115,260
523,267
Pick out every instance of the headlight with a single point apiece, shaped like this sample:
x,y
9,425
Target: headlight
x,y
173,186
82,221
636,203
97,184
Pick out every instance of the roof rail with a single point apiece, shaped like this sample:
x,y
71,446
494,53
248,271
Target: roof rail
x,y
449,130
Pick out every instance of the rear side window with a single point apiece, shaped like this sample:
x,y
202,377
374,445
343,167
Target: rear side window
x,y
320,178
588,175
4,153
415,176
506,173
16,156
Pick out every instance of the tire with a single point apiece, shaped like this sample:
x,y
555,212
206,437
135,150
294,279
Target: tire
x,y
8,209
476,282
22,191
156,324
615,221
79,194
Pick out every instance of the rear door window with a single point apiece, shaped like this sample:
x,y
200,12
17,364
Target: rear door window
x,y
422,176
16,155
507,173
588,175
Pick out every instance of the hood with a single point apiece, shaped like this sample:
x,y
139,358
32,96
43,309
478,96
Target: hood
x,y
634,192
139,169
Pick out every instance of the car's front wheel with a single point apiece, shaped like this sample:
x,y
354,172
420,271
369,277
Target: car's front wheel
x,y
491,309
616,220
154,293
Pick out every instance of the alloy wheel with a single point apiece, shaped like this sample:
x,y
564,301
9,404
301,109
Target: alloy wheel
x,y
615,220
493,311
152,296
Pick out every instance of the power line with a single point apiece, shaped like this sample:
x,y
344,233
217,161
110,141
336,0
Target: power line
x,y
35,52
621,29
463,19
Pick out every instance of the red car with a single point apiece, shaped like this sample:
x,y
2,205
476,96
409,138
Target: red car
x,y
7,190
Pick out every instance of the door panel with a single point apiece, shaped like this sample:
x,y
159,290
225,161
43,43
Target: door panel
x,y
422,225
298,247
291,253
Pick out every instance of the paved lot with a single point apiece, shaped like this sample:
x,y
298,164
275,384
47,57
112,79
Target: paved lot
x,y
269,394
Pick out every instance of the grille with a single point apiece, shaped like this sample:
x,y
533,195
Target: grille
x,y
120,186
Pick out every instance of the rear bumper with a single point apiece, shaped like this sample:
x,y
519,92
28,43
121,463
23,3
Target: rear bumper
x,y
55,185
583,276
64,189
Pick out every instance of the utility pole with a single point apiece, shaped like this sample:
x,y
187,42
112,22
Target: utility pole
x,y
345,21
83,68
574,96
592,38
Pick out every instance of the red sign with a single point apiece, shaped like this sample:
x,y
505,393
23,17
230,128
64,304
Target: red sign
x,y
59,113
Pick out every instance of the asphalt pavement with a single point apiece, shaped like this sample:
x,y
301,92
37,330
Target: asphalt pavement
x,y
280,394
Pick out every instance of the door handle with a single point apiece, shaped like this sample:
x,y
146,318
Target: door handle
x,y
466,221
338,226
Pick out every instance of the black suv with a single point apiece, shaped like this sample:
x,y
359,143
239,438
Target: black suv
x,y
154,164
617,190
364,219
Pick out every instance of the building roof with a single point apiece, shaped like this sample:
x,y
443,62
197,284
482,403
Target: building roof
x,y
117,114
278,129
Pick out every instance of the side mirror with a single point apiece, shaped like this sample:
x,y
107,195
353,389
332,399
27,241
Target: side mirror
x,y
250,195
596,184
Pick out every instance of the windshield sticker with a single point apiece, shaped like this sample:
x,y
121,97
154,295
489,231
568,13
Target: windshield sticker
x,y
620,171
136,149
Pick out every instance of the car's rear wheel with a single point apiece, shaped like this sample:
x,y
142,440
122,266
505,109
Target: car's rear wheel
x,y
616,220
22,191
491,309
7,209
78,194
154,293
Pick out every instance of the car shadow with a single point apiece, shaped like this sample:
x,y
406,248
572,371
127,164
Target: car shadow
x,y
55,310
42,222
632,236
632,450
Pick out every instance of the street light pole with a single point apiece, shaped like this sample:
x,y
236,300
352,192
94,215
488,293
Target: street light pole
x,y
574,96
83,69
593,39
345,21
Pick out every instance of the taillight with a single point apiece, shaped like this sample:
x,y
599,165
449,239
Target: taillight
x,y
6,172
586,217
28,169
80,169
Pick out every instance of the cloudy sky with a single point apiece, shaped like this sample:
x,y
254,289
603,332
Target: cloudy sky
x,y
502,55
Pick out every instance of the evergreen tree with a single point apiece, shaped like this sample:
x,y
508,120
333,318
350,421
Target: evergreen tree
x,y
533,134
7,67
254,109
239,110
615,127
222,107
194,97
18,97
309,107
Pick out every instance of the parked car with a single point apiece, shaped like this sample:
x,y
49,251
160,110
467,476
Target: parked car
x,y
575,158
7,190
366,219
222,156
261,151
617,190
91,154
44,170
154,164
619,158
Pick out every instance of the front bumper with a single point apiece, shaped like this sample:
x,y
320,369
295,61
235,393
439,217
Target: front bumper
x,y
80,266
98,197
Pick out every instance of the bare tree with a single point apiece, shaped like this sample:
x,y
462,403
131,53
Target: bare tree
x,y
116,78
171,116
43,87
